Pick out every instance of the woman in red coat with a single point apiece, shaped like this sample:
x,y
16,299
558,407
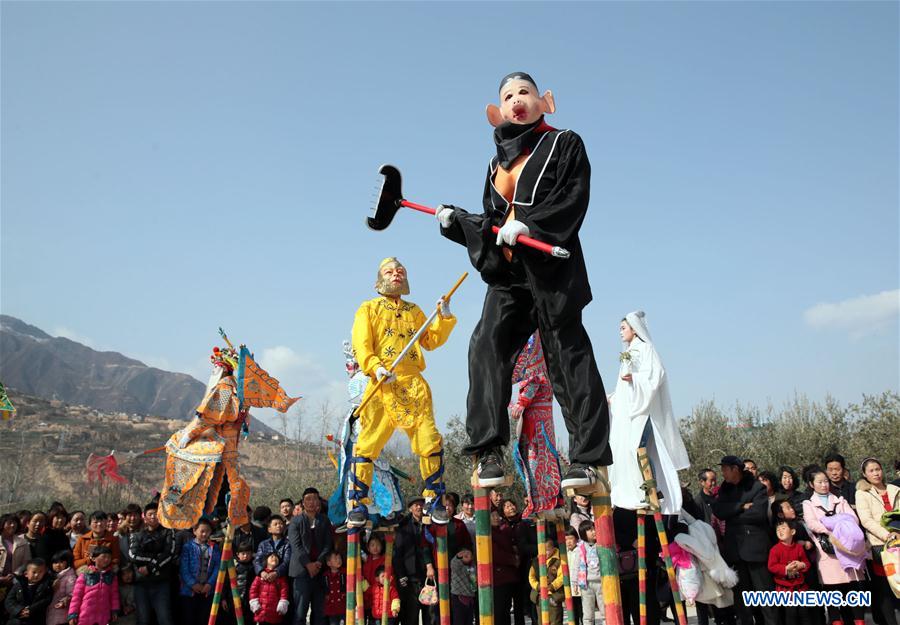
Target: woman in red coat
x,y
269,599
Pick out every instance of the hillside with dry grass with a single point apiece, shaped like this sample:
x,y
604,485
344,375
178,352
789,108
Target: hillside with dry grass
x,y
44,448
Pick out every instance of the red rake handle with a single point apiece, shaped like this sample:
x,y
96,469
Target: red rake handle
x,y
554,250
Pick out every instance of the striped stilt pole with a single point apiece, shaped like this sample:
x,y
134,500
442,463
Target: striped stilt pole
x,y
220,578
352,573
443,573
642,564
564,564
644,462
483,555
235,594
542,570
606,549
360,594
388,576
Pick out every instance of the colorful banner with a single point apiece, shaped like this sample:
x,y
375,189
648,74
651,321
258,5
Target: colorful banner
x,y
257,388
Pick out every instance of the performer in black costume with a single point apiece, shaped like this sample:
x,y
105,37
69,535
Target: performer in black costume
x,y
538,184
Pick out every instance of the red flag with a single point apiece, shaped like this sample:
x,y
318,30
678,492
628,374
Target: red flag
x,y
101,468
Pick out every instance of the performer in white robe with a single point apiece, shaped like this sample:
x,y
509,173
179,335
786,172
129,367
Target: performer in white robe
x,y
642,409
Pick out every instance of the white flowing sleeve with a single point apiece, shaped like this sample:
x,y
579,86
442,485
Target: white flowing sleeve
x,y
646,380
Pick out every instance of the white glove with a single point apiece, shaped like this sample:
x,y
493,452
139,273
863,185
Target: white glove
x,y
282,606
510,231
381,372
444,308
183,440
254,605
445,215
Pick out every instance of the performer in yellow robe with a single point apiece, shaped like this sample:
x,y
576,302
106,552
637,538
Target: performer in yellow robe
x,y
381,329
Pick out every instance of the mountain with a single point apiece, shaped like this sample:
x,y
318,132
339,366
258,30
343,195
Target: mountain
x,y
35,363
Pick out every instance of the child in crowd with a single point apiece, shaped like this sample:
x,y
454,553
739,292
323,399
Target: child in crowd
x,y
374,557
554,582
788,564
31,593
463,588
58,610
585,567
275,543
246,572
127,606
335,589
572,540
268,594
375,595
98,535
198,569
95,598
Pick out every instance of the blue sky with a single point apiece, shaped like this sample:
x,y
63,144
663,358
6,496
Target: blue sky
x,y
168,168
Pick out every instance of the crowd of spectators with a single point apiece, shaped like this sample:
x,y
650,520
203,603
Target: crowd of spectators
x,y
775,529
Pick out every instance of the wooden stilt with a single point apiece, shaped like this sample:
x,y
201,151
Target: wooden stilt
x,y
483,553
544,600
226,567
653,497
642,564
360,591
353,572
606,545
443,573
569,616
388,573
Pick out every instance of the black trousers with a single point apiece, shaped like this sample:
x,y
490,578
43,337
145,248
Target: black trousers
x,y
753,576
508,318
410,608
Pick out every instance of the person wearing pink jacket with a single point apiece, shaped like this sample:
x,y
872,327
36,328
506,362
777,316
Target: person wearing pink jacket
x,y
95,599
63,587
832,574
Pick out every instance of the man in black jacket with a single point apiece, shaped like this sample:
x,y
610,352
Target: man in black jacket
x,y
835,469
152,551
705,497
742,503
412,565
30,595
311,542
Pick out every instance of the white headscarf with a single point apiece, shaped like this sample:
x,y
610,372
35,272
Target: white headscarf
x,y
636,319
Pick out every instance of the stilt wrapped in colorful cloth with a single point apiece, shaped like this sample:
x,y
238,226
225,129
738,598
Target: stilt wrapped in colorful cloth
x,y
564,563
483,555
653,500
204,452
443,574
388,576
543,589
535,454
606,546
353,572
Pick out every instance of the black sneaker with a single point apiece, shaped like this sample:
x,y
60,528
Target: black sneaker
x,y
436,511
391,520
357,517
579,476
490,468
